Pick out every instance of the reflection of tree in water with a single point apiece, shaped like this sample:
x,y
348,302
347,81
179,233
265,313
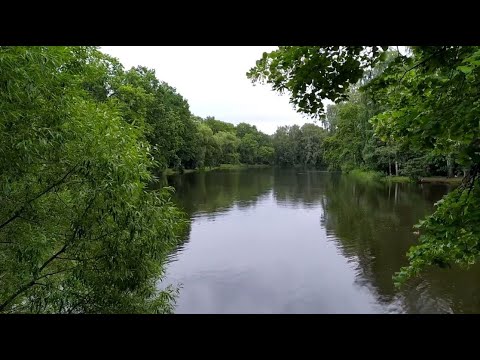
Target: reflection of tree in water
x,y
373,225
210,194
217,191
300,187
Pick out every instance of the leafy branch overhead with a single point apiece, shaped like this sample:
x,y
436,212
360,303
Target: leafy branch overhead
x,y
312,74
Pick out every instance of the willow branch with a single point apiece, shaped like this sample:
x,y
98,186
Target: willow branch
x,y
17,213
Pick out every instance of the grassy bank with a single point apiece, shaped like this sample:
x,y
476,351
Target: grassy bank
x,y
370,175
362,175
172,171
397,179
239,166
441,180
366,175
220,167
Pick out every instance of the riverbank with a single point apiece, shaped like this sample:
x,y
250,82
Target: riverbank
x,y
441,180
370,175
363,175
220,167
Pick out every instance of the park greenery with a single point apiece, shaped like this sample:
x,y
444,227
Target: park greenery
x,y
82,139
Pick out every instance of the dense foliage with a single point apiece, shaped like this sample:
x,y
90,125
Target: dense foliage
x,y
414,113
79,232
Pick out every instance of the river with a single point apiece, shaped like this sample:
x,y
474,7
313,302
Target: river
x,y
299,241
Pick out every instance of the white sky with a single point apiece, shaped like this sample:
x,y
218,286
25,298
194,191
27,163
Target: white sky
x,y
213,80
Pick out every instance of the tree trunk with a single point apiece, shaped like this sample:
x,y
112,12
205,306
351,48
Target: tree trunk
x,y
396,167
449,166
389,167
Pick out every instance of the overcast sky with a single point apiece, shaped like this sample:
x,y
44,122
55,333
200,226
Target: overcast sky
x,y
213,80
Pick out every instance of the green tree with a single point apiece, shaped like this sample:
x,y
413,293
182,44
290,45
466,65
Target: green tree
x,y
243,129
79,232
312,145
266,155
228,144
218,125
433,108
248,149
208,147
284,149
170,128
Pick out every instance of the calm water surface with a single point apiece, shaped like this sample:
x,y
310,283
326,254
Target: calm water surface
x,y
299,241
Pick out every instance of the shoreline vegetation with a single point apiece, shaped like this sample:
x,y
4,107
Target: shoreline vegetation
x,y
365,175
171,171
369,175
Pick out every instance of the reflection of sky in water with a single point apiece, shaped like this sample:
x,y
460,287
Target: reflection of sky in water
x,y
233,266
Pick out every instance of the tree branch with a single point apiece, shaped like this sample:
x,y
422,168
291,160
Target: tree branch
x,y
54,273
28,285
472,179
17,213
12,297
64,247
421,63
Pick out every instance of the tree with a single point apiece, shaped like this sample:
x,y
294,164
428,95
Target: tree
x,y
228,144
248,149
79,231
209,149
433,108
218,125
169,125
284,148
312,139
243,129
266,155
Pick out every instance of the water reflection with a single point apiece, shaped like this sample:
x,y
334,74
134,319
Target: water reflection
x,y
216,192
296,241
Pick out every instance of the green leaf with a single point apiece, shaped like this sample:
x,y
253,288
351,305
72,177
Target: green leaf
x,y
465,69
